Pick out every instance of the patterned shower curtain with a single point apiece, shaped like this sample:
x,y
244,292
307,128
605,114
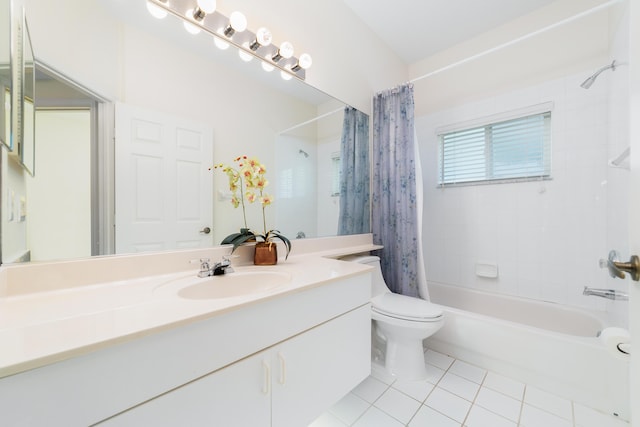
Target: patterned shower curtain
x,y
394,201
354,215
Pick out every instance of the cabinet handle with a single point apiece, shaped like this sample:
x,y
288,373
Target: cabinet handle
x,y
266,384
283,369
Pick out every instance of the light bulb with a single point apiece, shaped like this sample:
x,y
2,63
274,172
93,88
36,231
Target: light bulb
x,y
285,75
156,11
238,22
207,6
304,62
285,51
263,38
246,57
204,7
191,28
221,44
267,67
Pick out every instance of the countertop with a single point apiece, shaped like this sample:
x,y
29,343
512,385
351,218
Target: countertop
x,y
40,328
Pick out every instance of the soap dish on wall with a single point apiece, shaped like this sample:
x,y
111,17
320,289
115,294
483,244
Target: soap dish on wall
x,y
489,271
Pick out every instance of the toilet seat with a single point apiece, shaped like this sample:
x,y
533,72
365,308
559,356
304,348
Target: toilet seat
x,y
406,308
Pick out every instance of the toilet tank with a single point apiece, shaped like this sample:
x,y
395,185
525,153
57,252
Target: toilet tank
x,y
378,285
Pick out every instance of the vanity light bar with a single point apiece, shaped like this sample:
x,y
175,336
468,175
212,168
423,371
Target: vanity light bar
x,y
246,41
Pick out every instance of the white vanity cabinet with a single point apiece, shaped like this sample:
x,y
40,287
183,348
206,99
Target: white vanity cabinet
x,y
288,385
277,361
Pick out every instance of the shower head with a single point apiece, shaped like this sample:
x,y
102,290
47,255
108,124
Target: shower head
x,y
304,153
587,83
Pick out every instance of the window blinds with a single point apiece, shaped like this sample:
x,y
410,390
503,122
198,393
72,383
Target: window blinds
x,y
512,149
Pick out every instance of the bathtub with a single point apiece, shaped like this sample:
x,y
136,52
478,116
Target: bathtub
x,y
546,345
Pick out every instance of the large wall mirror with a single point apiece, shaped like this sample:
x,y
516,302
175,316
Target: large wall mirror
x,y
5,74
110,61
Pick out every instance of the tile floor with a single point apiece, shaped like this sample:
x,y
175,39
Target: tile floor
x,y
457,394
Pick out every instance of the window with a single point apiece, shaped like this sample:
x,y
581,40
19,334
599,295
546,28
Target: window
x,y
514,149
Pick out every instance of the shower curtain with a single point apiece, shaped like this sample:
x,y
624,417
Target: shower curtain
x,y
354,217
395,201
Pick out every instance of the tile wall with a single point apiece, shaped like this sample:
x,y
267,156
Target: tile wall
x,y
546,237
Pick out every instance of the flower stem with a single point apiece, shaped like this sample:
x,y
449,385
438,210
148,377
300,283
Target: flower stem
x,y
264,224
244,214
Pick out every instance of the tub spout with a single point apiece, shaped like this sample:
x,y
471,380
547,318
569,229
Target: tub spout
x,y
606,293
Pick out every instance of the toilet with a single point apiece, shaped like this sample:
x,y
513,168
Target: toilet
x,y
400,324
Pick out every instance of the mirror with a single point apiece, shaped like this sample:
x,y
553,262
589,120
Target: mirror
x,y
5,75
155,65
26,140
22,93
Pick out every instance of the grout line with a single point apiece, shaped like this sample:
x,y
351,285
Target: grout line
x,y
524,393
371,404
473,402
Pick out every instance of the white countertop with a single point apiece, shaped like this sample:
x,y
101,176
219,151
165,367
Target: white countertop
x,y
39,328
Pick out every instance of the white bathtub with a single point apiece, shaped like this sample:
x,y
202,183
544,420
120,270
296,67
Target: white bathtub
x,y
546,345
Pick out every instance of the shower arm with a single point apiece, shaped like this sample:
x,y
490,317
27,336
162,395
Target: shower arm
x,y
589,81
618,269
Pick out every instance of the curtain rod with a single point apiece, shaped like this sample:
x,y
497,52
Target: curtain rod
x,y
322,116
519,39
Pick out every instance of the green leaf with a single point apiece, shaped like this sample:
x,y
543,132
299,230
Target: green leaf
x,y
275,234
237,239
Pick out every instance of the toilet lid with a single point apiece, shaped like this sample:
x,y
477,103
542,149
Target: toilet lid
x,y
404,307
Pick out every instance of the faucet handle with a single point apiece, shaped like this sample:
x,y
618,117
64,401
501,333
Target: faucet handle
x,y
228,258
205,269
204,263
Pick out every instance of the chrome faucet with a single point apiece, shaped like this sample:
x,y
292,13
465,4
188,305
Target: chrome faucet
x,y
606,293
222,267
217,269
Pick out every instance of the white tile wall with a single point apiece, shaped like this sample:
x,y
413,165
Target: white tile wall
x,y
546,237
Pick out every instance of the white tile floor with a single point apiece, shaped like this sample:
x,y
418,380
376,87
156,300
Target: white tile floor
x,y
457,394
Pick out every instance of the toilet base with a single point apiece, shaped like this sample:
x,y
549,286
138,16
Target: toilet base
x,y
405,360
400,343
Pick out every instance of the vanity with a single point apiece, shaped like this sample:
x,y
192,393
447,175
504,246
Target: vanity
x,y
138,338
135,348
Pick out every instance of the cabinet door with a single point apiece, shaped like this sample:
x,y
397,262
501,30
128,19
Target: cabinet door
x,y
314,370
238,395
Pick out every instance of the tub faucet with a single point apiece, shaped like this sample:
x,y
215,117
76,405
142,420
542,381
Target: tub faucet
x,y
606,293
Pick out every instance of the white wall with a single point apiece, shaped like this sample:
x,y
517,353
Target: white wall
x,y
14,228
546,237
618,179
59,203
634,226
566,49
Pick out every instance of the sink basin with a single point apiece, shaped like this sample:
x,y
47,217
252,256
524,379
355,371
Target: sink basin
x,y
234,284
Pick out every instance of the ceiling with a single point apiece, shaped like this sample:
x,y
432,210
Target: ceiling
x,y
416,29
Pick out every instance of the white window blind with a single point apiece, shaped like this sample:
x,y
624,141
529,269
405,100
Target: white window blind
x,y
511,149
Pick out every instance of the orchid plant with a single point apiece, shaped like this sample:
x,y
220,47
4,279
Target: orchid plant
x,y
247,181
